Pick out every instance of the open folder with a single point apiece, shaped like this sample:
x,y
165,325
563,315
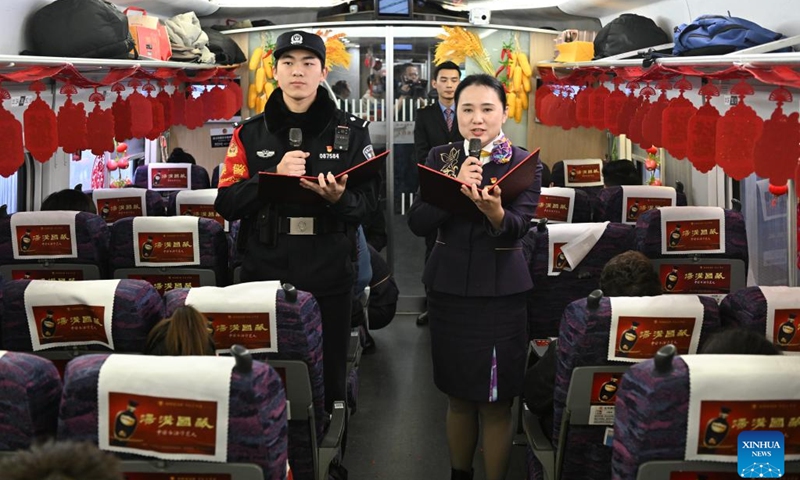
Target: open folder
x,y
444,191
277,188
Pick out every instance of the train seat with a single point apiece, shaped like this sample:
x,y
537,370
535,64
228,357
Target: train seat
x,y
767,310
625,203
115,203
151,175
564,205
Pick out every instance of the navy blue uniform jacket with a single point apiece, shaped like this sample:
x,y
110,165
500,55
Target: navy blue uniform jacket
x,y
473,259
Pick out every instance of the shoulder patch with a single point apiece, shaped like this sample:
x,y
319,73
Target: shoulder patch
x,y
356,122
250,119
368,152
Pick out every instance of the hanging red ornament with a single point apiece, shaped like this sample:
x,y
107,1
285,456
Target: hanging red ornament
x,y
582,106
541,93
597,103
98,173
653,120
778,190
178,103
71,122
549,107
194,111
141,112
674,134
157,113
737,132
235,98
702,132
121,110
214,103
570,121
10,139
166,104
632,103
635,126
612,108
41,126
559,109
779,145
99,126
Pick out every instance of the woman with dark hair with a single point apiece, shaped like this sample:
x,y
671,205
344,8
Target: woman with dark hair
x,y
178,155
739,341
630,274
186,332
477,281
621,172
69,199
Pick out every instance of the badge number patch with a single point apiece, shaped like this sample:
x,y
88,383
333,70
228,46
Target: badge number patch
x,y
368,151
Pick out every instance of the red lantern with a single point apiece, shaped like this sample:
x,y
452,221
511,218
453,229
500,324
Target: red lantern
x,y
157,112
194,112
178,104
71,123
632,103
10,139
166,104
637,121
583,101
702,132
122,114
779,145
99,126
541,93
597,104
652,122
141,112
737,133
613,107
41,127
235,98
778,190
674,134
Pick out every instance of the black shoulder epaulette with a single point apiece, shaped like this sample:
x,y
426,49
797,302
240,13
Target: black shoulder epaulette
x,y
248,120
352,120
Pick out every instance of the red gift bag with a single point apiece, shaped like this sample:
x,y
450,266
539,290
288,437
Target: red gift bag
x,y
150,35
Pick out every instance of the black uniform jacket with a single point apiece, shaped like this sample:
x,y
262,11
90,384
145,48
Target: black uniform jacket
x,y
320,264
430,130
472,259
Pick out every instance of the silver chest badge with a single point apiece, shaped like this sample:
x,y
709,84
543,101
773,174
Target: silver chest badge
x,y
265,153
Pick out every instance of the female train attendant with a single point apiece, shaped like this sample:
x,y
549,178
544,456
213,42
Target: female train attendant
x,y
476,280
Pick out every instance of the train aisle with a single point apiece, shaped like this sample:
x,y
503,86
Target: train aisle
x,y
398,432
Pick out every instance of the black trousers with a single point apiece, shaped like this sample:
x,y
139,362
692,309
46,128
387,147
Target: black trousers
x,y
335,311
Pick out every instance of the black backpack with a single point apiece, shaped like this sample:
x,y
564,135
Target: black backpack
x,y
627,33
80,28
226,51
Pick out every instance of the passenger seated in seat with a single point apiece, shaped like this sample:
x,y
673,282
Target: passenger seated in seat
x,y
186,332
621,172
63,460
69,199
739,341
629,274
178,155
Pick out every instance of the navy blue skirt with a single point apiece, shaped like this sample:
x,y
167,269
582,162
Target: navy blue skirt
x,y
478,345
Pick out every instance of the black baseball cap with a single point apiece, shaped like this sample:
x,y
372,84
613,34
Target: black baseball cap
x,y
300,40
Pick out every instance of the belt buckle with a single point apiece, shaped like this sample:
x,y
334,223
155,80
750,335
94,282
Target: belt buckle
x,y
301,225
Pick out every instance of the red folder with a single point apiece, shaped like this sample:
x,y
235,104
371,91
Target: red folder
x,y
277,188
444,191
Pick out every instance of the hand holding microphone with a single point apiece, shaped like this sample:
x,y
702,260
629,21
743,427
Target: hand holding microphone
x,y
294,161
471,170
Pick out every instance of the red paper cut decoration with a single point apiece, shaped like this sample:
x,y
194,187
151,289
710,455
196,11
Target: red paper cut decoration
x,y
99,126
141,112
98,173
235,98
570,121
178,104
157,112
737,133
194,112
597,104
41,127
122,114
652,122
541,93
166,104
549,107
10,139
674,134
632,103
613,107
636,123
582,107
778,149
702,132
71,123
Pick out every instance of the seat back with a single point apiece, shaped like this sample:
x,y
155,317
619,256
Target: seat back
x,y
171,267
626,203
551,294
115,203
594,334
300,342
28,249
585,175
562,204
691,409
197,203
161,177
137,308
30,390
771,311
256,418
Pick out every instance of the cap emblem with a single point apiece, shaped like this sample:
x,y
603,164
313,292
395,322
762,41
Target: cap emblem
x,y
297,39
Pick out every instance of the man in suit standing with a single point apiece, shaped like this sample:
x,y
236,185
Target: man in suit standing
x,y
436,125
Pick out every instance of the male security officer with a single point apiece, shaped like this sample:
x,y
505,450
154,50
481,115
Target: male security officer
x,y
309,246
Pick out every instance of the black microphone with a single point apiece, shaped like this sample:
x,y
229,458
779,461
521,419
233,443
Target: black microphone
x,y
475,148
295,137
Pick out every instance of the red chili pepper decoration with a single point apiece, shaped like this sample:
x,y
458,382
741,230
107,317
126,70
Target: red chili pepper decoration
x,y
122,114
99,126
702,132
41,126
10,139
652,122
71,123
779,146
737,133
166,104
674,134
612,108
597,104
141,112
637,121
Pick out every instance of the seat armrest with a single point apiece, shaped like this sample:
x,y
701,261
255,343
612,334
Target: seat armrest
x,y
330,445
542,447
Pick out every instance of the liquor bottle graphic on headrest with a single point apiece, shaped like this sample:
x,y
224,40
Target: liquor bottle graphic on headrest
x,y
628,338
572,174
48,325
675,236
671,280
787,330
188,211
609,389
125,424
25,241
147,247
717,429
105,211
561,261
633,211
157,179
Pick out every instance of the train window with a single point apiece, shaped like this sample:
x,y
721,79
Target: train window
x,y
9,192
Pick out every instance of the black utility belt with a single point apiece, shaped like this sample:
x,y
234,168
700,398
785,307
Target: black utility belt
x,y
309,226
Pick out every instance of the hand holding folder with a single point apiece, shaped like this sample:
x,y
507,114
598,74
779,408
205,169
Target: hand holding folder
x,y
277,188
444,191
